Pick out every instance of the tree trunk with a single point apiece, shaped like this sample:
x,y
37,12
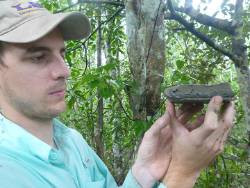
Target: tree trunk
x,y
241,63
99,128
146,51
119,171
118,166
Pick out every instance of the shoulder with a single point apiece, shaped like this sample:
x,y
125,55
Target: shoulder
x,y
13,175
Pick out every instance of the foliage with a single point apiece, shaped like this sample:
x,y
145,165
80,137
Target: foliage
x,y
188,61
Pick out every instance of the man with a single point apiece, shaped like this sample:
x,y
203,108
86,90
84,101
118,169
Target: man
x,y
37,150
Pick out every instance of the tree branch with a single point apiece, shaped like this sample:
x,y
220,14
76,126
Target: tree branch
x,y
221,24
123,109
95,30
66,8
201,36
115,3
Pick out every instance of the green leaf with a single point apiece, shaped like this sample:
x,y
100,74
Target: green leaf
x,y
106,92
94,83
180,64
140,127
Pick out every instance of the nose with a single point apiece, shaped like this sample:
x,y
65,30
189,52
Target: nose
x,y
60,69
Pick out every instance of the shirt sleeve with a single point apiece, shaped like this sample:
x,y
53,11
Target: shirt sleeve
x,y
161,185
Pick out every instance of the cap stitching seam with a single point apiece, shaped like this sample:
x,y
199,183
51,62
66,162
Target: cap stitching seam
x,y
18,25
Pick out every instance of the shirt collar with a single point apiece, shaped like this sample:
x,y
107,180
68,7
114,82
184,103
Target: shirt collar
x,y
15,137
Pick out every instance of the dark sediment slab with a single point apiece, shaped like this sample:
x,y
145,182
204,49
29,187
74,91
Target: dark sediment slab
x,y
194,93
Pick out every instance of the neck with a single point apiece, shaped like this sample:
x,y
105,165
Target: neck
x,y
41,128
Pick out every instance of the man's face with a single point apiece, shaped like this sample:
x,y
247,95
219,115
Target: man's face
x,y
33,77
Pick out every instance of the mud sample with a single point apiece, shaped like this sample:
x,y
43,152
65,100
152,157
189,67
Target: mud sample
x,y
198,93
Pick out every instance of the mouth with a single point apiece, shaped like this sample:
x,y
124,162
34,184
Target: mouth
x,y
59,93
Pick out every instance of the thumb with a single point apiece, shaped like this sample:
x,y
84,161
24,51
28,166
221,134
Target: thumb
x,y
160,124
211,118
171,109
176,126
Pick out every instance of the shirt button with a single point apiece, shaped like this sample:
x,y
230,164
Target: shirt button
x,y
53,156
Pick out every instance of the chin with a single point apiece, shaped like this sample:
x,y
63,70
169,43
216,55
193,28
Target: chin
x,y
56,111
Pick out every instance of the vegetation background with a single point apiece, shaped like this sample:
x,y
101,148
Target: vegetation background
x,y
136,50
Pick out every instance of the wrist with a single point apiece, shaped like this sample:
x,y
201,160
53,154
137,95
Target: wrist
x,y
143,176
176,178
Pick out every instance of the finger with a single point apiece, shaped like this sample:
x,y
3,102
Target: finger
x,y
213,142
171,109
213,110
176,126
162,122
228,115
220,143
184,107
223,140
218,136
227,122
190,112
159,124
218,147
198,122
166,136
211,118
178,129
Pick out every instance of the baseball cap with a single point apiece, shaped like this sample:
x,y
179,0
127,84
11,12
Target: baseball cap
x,y
24,21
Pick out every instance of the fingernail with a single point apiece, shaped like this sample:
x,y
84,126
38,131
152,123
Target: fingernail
x,y
217,99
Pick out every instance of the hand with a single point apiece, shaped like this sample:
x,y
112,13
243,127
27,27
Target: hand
x,y
193,150
154,153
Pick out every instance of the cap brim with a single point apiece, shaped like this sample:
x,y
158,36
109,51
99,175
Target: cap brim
x,y
73,26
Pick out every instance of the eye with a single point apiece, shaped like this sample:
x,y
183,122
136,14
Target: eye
x,y
39,58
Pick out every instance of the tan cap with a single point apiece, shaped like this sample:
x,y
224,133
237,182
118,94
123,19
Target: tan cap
x,y
23,21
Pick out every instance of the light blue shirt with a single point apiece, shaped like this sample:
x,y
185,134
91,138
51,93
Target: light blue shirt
x,y
28,162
